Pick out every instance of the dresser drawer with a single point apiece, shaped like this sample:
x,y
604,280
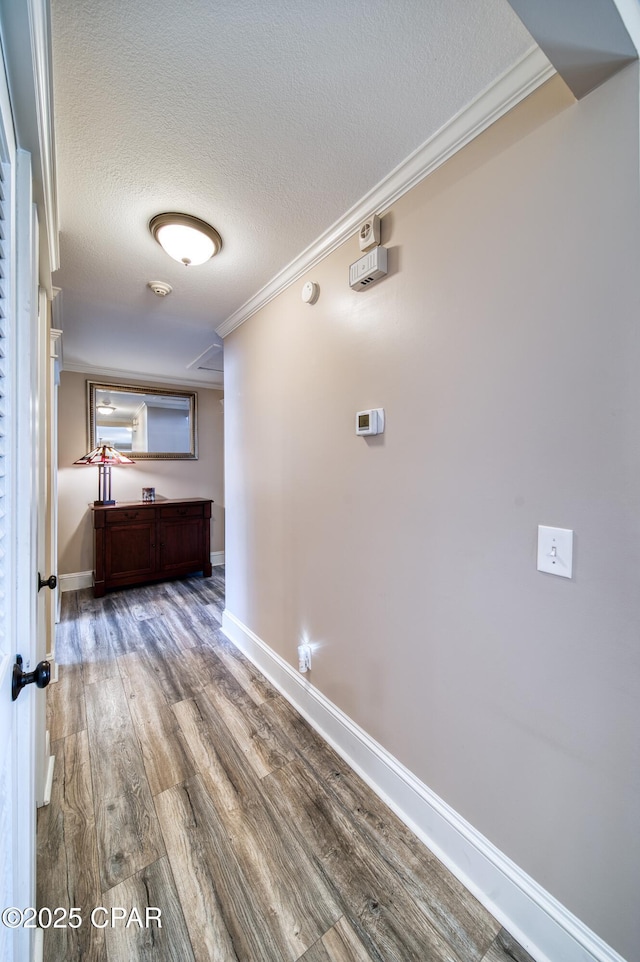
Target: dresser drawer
x,y
120,515
182,511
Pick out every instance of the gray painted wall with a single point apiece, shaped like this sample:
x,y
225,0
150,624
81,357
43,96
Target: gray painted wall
x,y
505,348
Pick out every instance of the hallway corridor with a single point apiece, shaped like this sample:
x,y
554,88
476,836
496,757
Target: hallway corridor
x,y
184,782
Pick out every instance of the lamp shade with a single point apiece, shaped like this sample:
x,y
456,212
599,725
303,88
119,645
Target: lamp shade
x,y
104,456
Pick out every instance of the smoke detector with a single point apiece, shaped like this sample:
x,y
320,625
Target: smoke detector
x,y
161,288
310,292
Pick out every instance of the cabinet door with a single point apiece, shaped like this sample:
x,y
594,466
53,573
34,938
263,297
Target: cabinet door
x,y
181,544
130,550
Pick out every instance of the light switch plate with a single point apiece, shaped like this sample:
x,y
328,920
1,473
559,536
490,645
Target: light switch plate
x,y
555,551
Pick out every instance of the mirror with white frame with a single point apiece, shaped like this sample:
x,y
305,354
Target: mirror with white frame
x,y
143,422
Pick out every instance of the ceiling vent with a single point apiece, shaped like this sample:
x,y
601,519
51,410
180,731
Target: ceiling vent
x,y
210,360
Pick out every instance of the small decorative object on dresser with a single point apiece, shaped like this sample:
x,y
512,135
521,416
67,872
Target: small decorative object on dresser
x,y
148,494
141,541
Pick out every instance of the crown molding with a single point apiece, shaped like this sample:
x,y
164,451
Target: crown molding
x,y
26,36
55,341
137,376
43,86
526,75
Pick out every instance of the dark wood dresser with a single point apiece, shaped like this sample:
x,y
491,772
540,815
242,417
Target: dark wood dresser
x,y
138,541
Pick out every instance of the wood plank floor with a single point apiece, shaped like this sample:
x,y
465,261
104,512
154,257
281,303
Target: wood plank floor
x,y
184,782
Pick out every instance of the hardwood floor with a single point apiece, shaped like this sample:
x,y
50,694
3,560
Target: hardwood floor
x,y
184,782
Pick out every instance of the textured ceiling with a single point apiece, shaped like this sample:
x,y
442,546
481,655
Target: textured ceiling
x,y
268,118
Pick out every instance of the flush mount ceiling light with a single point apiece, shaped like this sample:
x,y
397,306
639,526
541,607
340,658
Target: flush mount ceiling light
x,y
106,407
187,239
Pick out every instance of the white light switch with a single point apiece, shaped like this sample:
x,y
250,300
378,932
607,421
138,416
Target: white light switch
x,y
555,550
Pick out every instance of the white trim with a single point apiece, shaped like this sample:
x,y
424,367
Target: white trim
x,y
526,75
544,927
38,945
630,15
26,34
84,579
57,342
41,66
75,581
48,783
138,376
55,352
55,349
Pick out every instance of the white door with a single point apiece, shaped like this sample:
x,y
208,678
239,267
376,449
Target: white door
x,y
17,541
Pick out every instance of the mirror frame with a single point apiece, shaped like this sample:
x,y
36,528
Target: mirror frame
x,y
191,396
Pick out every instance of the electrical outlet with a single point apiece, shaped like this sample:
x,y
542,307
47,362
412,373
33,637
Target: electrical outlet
x,y
304,658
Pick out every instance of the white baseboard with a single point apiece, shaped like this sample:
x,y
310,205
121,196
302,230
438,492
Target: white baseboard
x,y
55,673
544,927
48,777
48,784
84,579
72,582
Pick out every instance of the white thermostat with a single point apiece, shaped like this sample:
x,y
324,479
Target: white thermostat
x,y
370,422
368,269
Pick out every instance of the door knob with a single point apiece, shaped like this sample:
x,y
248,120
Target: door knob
x,y
40,677
51,582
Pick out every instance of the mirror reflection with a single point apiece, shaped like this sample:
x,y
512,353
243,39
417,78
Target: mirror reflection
x,y
143,422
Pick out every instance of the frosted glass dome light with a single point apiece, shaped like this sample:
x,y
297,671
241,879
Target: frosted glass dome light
x,y
187,239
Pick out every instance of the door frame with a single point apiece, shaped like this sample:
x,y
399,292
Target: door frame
x,y
19,596
26,103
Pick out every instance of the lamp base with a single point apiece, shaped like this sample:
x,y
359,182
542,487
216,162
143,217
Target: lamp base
x,y
101,504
